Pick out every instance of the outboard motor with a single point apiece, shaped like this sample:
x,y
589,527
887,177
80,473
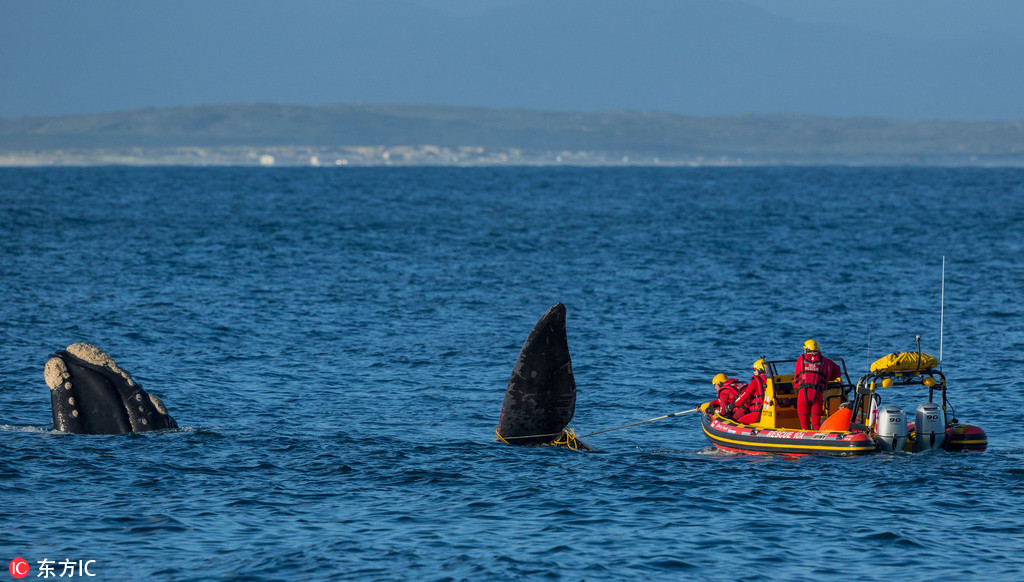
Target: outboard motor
x,y
891,428
930,427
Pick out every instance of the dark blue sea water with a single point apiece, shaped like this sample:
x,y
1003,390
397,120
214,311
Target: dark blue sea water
x,y
335,345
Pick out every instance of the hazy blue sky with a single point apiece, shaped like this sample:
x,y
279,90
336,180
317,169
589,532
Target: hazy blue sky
x,y
911,59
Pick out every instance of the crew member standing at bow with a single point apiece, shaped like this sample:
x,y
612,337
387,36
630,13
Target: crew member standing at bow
x,y
750,402
812,374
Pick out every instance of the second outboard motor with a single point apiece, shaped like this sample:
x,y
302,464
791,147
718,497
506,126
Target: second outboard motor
x,y
930,427
891,428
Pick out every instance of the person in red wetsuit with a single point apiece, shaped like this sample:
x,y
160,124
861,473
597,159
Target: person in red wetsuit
x,y
728,389
812,373
751,400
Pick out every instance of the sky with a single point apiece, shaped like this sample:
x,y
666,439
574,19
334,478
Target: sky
x,y
904,59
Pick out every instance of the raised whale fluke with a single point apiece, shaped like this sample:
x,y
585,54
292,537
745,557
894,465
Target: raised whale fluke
x,y
91,394
540,399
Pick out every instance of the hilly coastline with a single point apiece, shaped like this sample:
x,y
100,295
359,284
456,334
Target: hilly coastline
x,y
356,134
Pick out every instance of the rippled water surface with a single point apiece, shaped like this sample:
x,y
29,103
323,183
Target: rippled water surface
x,y
335,345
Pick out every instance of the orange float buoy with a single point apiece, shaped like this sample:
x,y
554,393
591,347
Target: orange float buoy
x,y
839,420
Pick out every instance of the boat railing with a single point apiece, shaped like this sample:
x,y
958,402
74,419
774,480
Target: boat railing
x,y
844,377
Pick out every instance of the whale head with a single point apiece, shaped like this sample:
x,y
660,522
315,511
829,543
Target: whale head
x,y
91,394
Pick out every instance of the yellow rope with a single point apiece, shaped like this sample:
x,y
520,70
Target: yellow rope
x,y
528,436
566,438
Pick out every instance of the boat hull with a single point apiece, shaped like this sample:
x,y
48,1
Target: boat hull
x,y
742,438
732,436
959,438
964,437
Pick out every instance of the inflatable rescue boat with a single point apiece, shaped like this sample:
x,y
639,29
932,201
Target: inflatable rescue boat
x,y
856,422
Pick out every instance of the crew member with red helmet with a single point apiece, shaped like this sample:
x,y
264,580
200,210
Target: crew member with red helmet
x,y
810,377
728,389
750,402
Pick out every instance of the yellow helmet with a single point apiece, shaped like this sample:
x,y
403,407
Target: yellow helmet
x,y
719,379
811,346
759,365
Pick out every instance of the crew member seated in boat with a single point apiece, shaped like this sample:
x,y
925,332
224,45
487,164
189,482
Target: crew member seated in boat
x,y
810,377
728,389
750,401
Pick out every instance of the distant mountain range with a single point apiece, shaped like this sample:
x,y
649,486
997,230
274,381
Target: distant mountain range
x,y
690,57
602,135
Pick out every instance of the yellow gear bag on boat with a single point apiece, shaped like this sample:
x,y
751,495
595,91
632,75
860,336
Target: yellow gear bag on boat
x,y
905,362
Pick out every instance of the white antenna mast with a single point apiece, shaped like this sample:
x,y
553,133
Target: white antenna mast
x,y
942,308
869,346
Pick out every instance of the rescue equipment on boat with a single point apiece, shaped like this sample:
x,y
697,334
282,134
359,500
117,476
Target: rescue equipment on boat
x,y
905,362
838,420
935,424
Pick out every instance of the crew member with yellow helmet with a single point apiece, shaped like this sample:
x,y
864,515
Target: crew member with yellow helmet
x,y
728,389
810,377
750,402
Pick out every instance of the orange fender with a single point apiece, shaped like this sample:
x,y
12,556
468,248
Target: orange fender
x,y
840,420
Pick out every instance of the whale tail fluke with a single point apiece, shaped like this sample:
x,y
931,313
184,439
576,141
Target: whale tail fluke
x,y
540,399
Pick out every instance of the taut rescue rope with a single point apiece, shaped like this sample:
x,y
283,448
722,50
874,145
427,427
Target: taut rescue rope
x,y
569,439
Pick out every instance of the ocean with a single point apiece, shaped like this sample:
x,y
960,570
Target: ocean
x,y
335,345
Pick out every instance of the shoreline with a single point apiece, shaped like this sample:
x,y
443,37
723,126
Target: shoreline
x,y
465,156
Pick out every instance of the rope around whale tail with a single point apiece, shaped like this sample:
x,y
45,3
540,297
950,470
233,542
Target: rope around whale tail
x,y
567,438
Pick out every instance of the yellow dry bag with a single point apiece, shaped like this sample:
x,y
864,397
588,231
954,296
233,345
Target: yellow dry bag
x,y
905,362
